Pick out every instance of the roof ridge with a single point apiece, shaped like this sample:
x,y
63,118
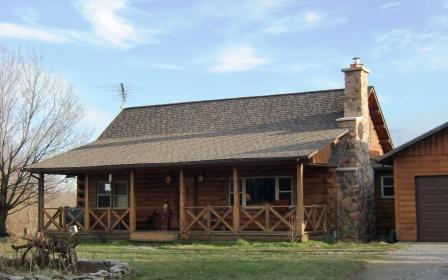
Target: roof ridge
x,y
234,98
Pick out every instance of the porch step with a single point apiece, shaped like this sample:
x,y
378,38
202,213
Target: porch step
x,y
154,236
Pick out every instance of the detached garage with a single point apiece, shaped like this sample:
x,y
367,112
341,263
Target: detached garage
x,y
421,186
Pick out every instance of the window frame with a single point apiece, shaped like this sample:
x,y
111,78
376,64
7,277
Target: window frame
x,y
243,188
387,186
98,183
112,194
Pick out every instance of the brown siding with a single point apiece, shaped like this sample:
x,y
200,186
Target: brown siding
x,y
320,188
384,207
324,155
151,190
426,158
375,147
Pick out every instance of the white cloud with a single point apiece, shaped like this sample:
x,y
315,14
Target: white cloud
x,y
240,58
108,28
108,25
390,5
431,47
16,31
96,118
260,8
242,10
167,66
312,17
27,14
304,21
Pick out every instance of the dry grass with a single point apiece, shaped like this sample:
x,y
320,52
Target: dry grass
x,y
27,218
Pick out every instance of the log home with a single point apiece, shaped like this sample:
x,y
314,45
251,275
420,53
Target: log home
x,y
254,168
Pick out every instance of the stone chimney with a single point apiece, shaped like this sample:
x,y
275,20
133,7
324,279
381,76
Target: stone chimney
x,y
356,216
356,105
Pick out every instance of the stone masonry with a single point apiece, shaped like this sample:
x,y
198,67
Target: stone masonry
x,y
355,178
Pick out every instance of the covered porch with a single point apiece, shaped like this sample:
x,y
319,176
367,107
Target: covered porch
x,y
264,201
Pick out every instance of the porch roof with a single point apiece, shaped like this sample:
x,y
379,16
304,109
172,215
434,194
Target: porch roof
x,y
286,126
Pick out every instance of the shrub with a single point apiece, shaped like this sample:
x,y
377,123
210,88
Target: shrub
x,y
242,243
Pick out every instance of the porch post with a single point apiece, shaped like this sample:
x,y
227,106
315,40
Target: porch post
x,y
182,221
132,212
40,202
86,203
300,213
236,201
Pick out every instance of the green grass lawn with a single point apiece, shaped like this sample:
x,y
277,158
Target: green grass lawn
x,y
236,260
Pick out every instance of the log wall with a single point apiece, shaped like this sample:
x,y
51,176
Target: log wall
x,y
384,207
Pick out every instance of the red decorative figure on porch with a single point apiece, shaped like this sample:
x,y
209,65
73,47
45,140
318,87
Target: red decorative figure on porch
x,y
165,215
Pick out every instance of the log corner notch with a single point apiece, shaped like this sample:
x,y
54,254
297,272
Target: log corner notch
x,y
40,202
236,202
300,210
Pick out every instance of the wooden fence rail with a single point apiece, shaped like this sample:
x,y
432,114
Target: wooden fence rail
x,y
316,218
267,218
63,217
209,218
101,219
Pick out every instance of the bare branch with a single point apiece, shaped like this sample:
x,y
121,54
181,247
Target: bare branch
x,y
39,116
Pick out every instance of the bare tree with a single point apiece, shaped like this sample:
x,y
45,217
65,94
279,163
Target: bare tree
x,y
39,116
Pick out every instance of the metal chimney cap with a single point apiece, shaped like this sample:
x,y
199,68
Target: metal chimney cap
x,y
356,60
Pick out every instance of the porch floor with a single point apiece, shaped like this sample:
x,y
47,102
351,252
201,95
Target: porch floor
x,y
154,236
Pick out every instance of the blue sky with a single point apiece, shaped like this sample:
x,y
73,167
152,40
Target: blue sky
x,y
172,51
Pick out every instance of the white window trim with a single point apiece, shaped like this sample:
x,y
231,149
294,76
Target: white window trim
x,y
243,187
382,187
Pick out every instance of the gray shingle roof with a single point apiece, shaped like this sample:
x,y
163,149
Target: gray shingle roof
x,y
264,127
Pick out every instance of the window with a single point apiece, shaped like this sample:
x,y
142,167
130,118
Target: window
x,y
113,195
263,190
260,191
103,195
387,187
285,189
120,198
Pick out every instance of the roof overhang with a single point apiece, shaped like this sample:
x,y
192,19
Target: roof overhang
x,y
77,170
388,157
380,125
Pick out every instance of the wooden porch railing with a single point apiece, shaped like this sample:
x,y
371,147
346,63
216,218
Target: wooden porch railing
x,y
209,218
63,217
266,218
101,219
316,218
109,219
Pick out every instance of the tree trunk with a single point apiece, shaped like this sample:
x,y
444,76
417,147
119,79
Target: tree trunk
x,y
3,216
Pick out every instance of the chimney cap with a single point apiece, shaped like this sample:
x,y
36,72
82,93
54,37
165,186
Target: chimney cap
x,y
355,66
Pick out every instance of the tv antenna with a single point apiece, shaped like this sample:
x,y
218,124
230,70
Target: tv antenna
x,y
121,92
123,96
